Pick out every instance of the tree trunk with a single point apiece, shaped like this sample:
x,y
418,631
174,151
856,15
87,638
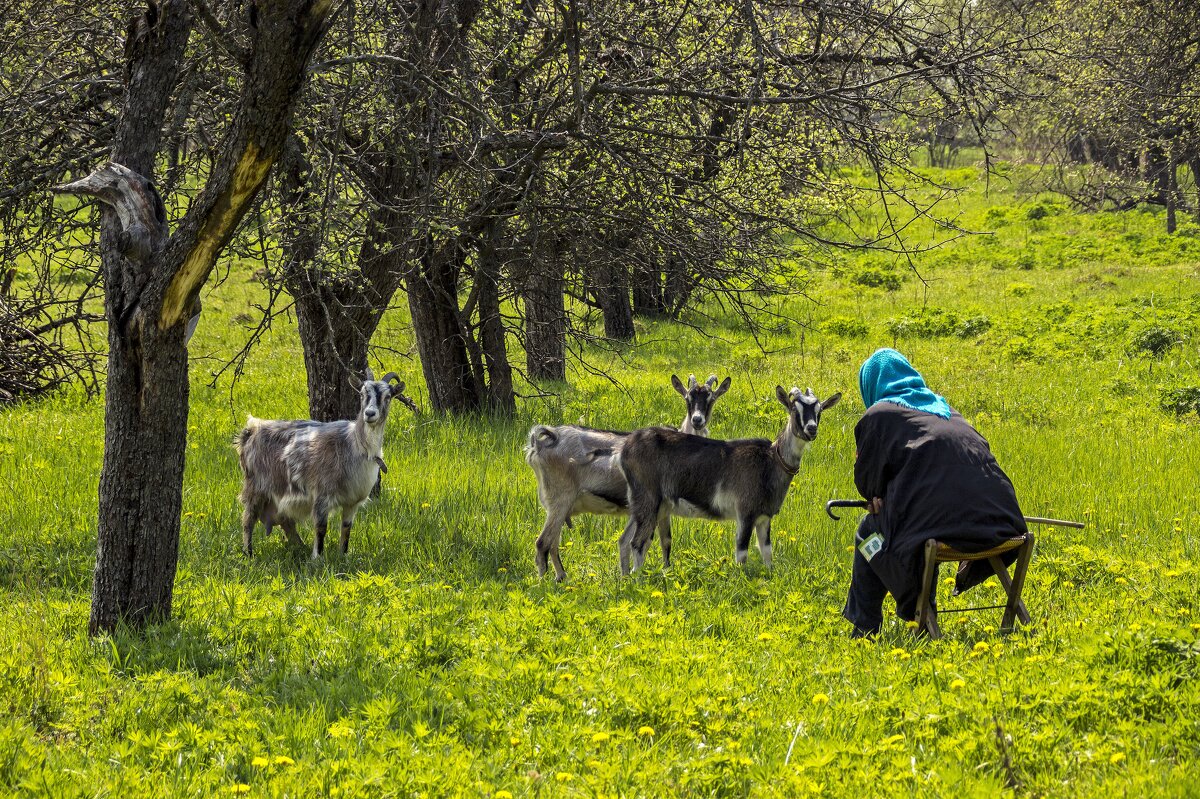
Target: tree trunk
x,y
1159,168
611,290
141,497
335,348
648,299
1194,164
432,287
491,327
152,284
546,319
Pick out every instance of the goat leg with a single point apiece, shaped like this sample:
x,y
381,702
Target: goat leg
x,y
347,523
762,529
547,546
289,530
664,539
249,518
742,539
320,524
626,544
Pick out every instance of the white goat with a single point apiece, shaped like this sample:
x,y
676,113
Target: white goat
x,y
294,469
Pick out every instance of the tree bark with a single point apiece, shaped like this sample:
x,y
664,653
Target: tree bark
x,y
493,338
1160,169
546,318
432,286
610,288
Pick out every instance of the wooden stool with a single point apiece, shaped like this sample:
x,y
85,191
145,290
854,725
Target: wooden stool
x,y
936,553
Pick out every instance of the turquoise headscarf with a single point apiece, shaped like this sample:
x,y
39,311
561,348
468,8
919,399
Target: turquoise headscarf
x,y
887,376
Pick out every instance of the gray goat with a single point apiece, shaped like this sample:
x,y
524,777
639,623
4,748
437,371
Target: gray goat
x,y
294,469
744,479
577,470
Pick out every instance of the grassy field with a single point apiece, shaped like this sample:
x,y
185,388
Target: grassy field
x,y
432,662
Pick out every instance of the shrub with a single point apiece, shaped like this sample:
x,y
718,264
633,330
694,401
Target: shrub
x,y
846,327
1180,401
1018,289
1154,341
878,278
973,326
928,323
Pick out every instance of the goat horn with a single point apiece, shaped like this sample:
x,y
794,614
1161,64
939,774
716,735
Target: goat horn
x,y
691,381
711,381
389,377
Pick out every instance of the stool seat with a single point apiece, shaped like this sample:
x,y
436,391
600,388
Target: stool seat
x,y
1014,608
947,553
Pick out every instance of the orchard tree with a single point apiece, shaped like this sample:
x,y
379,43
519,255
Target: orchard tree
x,y
1121,97
152,276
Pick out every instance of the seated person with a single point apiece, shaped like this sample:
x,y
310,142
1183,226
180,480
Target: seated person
x,y
926,473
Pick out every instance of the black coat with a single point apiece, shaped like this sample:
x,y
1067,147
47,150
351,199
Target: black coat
x,y
938,479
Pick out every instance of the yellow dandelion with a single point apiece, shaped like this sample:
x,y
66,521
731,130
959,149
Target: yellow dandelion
x,y
600,737
515,741
563,776
284,760
646,732
1172,572
503,795
765,636
956,685
239,787
340,729
982,646
424,505
820,699
566,677
260,762
657,594
1116,758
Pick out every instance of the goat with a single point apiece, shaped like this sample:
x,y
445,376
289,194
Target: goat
x,y
294,469
747,479
577,471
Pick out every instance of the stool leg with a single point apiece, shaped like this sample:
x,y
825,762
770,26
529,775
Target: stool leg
x,y
926,615
1015,607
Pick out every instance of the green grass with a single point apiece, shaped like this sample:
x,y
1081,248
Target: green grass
x,y
431,661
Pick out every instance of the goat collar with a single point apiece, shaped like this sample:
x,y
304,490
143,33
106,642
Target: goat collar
x,y
775,450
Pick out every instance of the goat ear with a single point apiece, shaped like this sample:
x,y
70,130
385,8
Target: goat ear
x,y
678,385
721,389
829,403
783,397
355,381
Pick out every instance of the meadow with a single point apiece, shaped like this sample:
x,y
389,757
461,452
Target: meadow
x,y
431,661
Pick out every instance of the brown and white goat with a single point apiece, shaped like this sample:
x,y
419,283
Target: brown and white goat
x,y
577,470
746,480
298,469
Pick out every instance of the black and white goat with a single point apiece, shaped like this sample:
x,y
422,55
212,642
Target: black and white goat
x,y
577,470
746,480
294,469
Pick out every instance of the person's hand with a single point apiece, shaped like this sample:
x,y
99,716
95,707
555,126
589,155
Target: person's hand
x,y
875,506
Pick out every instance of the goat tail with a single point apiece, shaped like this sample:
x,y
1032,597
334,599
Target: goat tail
x,y
242,439
540,437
